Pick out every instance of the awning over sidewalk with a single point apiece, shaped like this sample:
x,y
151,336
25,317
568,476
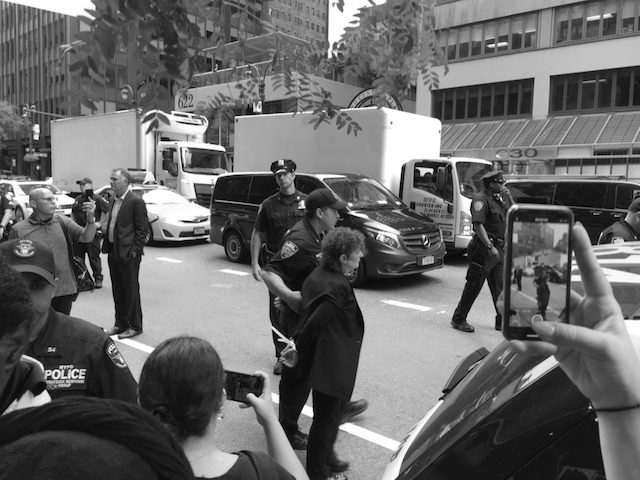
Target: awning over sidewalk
x,y
612,130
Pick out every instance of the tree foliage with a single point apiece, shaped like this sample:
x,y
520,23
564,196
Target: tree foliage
x,y
393,46
12,125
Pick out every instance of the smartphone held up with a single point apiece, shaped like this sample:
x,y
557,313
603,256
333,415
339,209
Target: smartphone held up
x,y
238,385
537,268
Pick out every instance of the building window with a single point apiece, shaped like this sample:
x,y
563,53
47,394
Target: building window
x,y
488,38
493,100
596,19
588,91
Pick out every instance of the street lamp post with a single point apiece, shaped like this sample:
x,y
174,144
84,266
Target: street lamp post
x,y
28,112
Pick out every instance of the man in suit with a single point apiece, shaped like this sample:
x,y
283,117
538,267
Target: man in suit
x,y
127,229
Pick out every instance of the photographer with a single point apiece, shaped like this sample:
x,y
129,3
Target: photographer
x,y
595,351
92,249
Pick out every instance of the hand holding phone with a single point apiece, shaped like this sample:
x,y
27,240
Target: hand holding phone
x,y
89,192
537,268
238,385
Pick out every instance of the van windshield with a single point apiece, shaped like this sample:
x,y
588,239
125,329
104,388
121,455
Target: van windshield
x,y
362,193
470,177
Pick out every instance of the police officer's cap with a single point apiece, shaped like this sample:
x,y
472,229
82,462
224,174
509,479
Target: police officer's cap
x,y
31,257
493,176
283,165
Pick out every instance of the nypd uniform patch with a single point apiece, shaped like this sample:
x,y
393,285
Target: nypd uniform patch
x,y
478,205
288,249
114,355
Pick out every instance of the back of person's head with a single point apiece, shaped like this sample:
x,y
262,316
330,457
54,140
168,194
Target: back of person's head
x,y
181,383
16,309
87,437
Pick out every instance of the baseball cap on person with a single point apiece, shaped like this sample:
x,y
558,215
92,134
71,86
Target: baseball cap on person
x,y
84,181
323,197
493,176
283,165
29,256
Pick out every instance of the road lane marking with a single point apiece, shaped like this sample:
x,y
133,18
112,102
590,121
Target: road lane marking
x,y
133,343
168,260
233,272
350,428
412,306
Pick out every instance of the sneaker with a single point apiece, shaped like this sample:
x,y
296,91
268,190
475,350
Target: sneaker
x,y
277,368
98,283
298,440
352,410
463,326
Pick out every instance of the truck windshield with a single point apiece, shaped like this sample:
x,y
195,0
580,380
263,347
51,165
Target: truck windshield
x,y
362,193
470,177
207,162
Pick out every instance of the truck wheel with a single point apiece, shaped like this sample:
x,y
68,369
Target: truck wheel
x,y
359,277
234,247
18,215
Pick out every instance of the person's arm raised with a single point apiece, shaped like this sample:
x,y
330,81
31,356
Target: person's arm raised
x,y
278,444
595,351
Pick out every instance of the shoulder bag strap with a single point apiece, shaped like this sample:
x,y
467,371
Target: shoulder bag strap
x,y
65,230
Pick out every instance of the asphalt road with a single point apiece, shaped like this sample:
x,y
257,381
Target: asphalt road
x,y
409,348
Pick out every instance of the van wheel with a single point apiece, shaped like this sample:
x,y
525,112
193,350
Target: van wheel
x,y
234,247
359,277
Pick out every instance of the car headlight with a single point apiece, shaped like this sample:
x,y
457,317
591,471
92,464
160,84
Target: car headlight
x,y
466,226
386,238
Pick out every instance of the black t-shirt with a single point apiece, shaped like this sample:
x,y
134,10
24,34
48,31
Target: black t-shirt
x,y
249,464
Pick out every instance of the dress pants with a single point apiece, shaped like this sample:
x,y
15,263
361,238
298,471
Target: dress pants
x,y
481,268
126,291
323,433
294,391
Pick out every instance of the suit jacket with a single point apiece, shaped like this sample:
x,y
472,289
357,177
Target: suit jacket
x,y
131,228
330,340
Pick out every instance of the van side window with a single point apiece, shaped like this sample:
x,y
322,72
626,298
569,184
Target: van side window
x,y
232,189
581,194
625,194
540,193
262,186
306,185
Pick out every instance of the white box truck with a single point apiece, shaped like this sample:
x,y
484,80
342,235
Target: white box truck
x,y
399,149
174,152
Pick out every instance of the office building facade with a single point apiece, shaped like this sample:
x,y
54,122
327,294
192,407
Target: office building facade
x,y
540,86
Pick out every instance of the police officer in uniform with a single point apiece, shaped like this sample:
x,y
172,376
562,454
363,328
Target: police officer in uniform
x,y
625,230
284,275
78,357
277,214
486,249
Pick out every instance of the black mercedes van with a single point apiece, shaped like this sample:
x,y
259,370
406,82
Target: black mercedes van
x,y
399,241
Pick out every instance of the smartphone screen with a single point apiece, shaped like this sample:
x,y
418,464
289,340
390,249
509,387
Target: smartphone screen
x,y
537,268
89,192
238,385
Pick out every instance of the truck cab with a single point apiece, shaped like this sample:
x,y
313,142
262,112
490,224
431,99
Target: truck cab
x,y
442,189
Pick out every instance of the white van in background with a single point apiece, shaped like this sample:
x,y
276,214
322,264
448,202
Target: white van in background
x,y
442,188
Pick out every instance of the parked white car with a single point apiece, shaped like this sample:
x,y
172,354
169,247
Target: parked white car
x,y
172,217
21,190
